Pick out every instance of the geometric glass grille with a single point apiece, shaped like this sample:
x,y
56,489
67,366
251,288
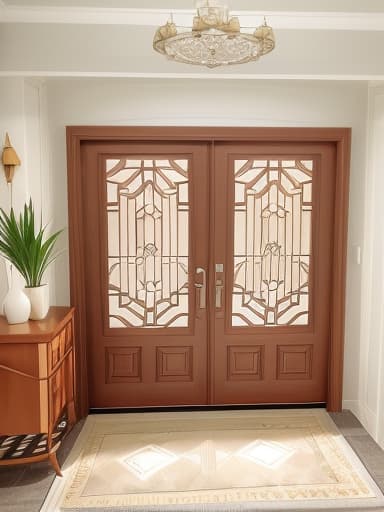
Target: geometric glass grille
x,y
272,242
148,246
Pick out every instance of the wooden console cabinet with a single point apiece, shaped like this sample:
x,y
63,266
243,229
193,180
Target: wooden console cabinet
x,y
36,387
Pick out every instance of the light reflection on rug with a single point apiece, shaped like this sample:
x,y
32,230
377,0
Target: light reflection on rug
x,y
225,457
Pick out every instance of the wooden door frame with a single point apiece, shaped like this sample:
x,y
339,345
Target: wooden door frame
x,y
77,135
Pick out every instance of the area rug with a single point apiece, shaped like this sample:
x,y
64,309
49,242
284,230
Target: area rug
x,y
212,461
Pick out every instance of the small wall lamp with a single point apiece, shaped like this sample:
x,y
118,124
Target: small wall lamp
x,y
9,159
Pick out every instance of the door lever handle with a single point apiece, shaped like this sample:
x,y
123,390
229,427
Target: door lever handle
x,y
219,289
202,287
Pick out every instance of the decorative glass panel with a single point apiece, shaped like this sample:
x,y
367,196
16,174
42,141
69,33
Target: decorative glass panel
x,y
272,242
148,246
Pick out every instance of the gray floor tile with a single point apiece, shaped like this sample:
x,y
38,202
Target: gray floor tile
x,y
26,498
350,432
11,475
345,420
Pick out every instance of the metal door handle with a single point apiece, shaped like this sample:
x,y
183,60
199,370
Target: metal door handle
x,y
219,289
202,287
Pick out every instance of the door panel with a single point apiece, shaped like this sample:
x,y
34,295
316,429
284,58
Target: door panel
x,y
146,229
273,282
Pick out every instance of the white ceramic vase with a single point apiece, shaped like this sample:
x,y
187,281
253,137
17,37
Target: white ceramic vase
x,y
39,297
17,306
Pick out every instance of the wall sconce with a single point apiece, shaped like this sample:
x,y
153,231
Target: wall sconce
x,y
9,159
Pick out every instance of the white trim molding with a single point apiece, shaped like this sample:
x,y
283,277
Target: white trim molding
x,y
155,17
188,76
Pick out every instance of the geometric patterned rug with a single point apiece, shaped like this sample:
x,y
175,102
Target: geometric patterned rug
x,y
213,461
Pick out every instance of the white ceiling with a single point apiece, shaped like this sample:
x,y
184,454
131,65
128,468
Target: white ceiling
x,y
322,39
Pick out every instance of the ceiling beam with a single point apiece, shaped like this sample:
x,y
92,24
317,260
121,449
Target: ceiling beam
x,y
155,17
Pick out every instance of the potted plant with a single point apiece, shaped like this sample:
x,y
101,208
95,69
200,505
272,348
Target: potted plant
x,y
30,252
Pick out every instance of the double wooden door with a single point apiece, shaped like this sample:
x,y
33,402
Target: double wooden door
x,y
208,272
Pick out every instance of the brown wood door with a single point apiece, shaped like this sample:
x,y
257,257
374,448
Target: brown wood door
x,y
208,272
145,222
271,272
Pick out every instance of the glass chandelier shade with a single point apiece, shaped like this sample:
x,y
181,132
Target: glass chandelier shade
x,y
215,40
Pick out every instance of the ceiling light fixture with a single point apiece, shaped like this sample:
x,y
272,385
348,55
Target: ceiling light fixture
x,y
216,38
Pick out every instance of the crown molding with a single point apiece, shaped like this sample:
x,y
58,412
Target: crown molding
x,y
189,76
155,17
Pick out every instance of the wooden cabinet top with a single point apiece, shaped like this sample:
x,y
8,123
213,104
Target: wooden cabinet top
x,y
36,331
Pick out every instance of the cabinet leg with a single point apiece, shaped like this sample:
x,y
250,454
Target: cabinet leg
x,y
53,460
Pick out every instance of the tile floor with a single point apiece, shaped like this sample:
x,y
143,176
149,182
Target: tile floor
x,y
23,488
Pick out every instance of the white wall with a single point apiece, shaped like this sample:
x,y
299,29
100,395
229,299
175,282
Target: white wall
x,y
22,116
371,389
232,103
12,120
